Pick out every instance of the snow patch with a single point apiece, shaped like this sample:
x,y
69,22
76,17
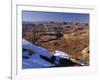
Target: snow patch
x,y
61,54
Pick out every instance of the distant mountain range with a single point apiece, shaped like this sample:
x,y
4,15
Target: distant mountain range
x,y
47,22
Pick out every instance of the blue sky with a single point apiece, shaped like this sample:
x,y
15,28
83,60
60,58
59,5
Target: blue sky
x,y
37,16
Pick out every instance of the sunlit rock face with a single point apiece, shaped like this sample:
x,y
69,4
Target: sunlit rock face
x,y
85,55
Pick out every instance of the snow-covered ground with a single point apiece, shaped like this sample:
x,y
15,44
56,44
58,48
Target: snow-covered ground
x,y
34,60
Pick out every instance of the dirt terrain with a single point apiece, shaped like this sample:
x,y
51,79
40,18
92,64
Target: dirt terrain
x,y
75,40
75,43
